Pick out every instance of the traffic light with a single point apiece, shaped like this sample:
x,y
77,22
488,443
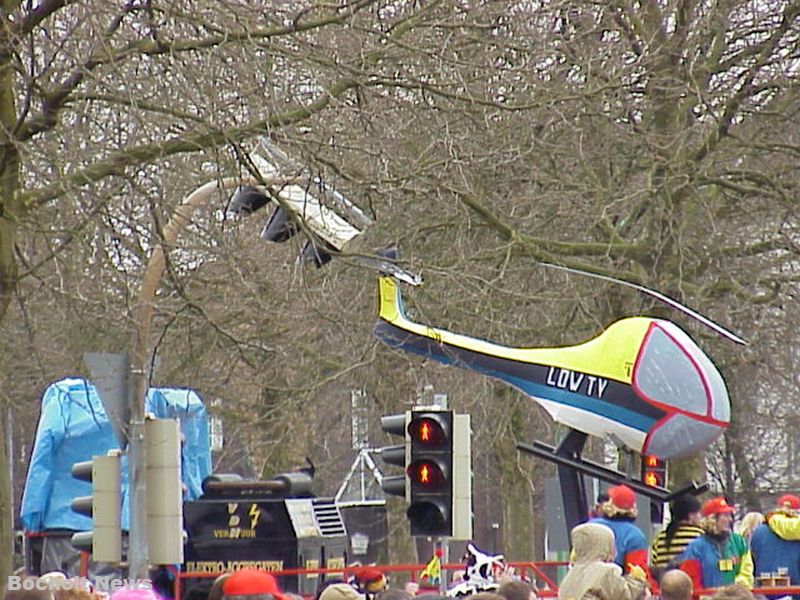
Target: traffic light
x,y
654,474
164,491
654,471
104,542
440,474
397,454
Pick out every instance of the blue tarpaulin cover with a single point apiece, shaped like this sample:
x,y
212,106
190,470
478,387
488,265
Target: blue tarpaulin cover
x,y
73,427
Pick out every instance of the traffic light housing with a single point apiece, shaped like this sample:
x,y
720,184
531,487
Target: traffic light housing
x,y
104,507
396,485
164,491
654,471
462,477
439,474
654,474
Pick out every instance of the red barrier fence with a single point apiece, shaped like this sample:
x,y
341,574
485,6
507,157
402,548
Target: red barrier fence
x,y
545,574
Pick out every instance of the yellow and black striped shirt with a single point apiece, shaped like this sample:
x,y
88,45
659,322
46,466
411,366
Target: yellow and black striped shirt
x,y
661,555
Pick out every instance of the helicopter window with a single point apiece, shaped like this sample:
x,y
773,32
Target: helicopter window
x,y
681,431
720,404
665,374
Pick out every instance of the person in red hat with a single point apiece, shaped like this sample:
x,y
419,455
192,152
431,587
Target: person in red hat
x,y
719,557
370,581
772,544
618,513
251,584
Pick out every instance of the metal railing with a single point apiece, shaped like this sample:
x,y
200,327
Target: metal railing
x,y
544,574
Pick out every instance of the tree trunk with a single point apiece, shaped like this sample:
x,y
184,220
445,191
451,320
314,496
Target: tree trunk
x,y
10,212
514,492
6,513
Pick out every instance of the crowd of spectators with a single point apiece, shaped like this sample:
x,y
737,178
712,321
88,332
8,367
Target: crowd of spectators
x,y
698,553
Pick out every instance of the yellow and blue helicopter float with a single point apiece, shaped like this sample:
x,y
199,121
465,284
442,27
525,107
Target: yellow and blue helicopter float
x,y
643,383
643,380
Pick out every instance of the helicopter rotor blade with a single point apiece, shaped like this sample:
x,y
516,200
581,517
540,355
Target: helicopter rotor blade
x,y
658,296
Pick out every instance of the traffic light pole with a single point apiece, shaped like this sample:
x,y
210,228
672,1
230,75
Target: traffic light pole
x,y
444,546
137,516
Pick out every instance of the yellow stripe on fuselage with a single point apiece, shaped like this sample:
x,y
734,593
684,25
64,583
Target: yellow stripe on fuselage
x,y
611,354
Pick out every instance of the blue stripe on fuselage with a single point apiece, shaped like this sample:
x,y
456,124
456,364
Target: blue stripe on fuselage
x,y
623,416
407,341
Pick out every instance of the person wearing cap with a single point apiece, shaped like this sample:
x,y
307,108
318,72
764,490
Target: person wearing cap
x,y
783,519
251,584
719,557
771,551
618,514
683,527
369,581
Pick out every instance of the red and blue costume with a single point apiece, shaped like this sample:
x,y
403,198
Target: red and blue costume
x,y
719,557
618,514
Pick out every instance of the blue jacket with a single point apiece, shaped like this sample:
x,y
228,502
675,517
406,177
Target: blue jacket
x,y
712,565
770,552
629,539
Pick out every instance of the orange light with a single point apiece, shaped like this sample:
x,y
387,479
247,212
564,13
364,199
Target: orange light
x,y
425,432
651,479
651,461
424,474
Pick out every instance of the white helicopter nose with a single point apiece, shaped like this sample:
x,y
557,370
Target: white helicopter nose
x,y
673,373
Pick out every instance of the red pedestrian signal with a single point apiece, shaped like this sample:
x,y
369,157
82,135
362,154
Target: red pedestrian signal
x,y
427,474
654,474
423,474
653,479
439,472
654,471
428,432
425,431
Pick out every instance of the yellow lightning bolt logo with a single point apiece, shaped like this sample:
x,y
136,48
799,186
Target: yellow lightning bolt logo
x,y
254,513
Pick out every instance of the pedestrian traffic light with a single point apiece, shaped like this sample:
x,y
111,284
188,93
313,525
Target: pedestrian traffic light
x,y
104,542
164,491
440,474
654,474
654,471
397,454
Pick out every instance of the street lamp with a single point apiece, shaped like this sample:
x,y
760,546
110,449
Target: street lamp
x,y
300,201
138,560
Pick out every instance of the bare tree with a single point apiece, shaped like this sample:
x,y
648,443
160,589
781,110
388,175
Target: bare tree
x,y
653,141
